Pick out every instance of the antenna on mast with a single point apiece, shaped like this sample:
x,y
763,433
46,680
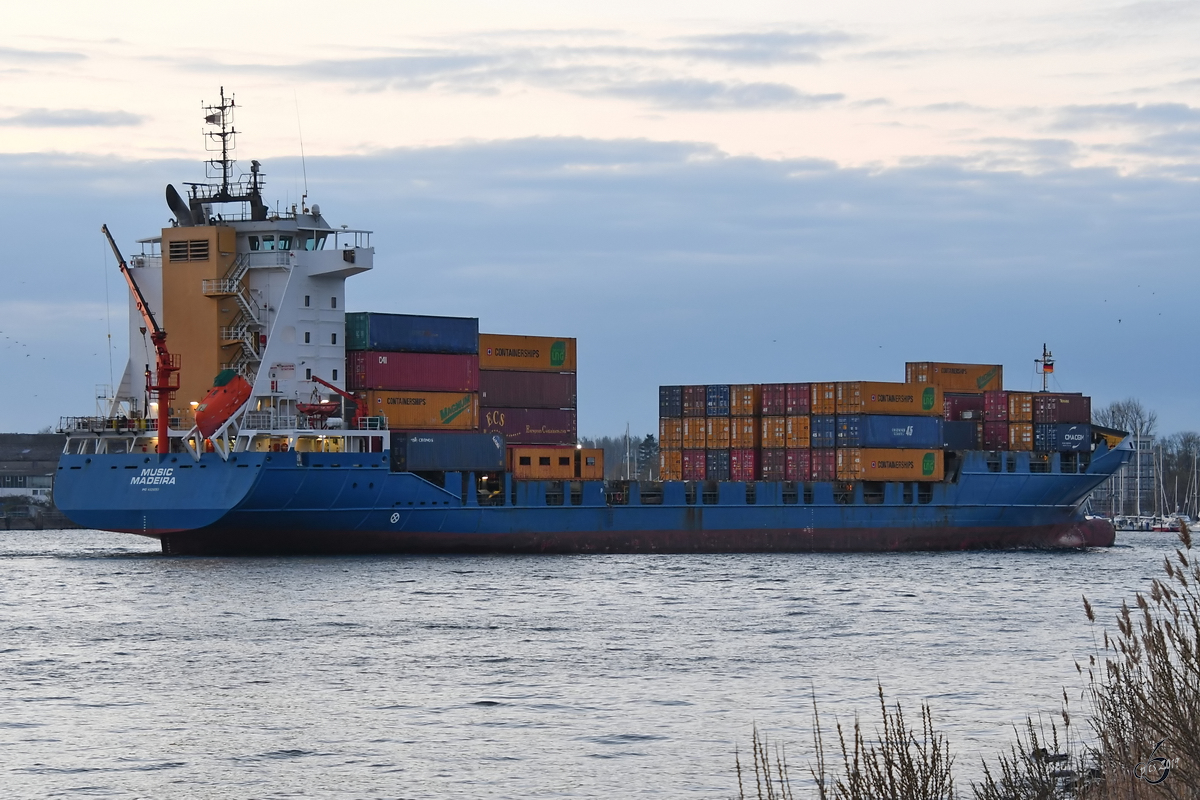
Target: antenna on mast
x,y
225,138
1045,366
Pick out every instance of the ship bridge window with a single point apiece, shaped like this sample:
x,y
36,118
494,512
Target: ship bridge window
x,y
268,243
285,242
313,240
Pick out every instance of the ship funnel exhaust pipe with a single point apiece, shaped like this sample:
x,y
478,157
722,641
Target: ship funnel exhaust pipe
x,y
179,207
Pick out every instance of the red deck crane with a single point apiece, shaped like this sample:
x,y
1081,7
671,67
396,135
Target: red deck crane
x,y
166,376
318,409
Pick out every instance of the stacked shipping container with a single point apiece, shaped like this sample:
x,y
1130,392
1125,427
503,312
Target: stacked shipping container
x,y
527,388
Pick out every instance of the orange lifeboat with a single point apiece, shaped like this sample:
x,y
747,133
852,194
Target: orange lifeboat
x,y
229,393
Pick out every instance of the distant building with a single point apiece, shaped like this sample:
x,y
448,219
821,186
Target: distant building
x,y
27,465
1132,490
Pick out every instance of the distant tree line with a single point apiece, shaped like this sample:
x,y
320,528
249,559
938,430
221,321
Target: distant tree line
x,y
1169,463
634,457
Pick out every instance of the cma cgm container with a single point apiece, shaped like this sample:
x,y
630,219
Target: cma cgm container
x,y
864,397
670,465
442,451
744,399
1062,437
963,406
772,464
716,465
717,400
773,400
424,410
511,389
694,401
743,465
798,464
824,464
1061,408
531,425
716,433
963,378
670,433
432,372
411,333
745,432
530,353
866,464
670,401
877,430
824,430
694,465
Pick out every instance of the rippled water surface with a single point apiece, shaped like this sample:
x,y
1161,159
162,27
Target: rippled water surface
x,y
125,673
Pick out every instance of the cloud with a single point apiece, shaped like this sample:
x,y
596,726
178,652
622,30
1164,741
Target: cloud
x,y
714,95
1126,114
774,47
15,54
71,118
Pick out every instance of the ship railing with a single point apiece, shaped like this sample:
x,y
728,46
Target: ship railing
x,y
269,421
268,258
121,425
372,424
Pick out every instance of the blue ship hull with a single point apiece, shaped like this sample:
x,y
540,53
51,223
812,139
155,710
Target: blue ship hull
x,y
352,503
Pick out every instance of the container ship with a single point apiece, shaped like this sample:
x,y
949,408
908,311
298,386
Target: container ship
x,y
270,420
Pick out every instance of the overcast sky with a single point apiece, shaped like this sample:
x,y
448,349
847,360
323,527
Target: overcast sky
x,y
701,192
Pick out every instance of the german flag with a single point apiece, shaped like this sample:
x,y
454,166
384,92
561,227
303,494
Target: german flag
x,y
1048,367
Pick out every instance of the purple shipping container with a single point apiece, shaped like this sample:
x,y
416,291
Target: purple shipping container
x,y
397,372
774,400
1061,408
507,389
953,406
799,399
824,464
995,406
530,425
773,464
799,464
743,465
695,464
995,435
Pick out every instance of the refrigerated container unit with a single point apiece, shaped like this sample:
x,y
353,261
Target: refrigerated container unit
x,y
531,425
961,378
526,353
889,431
402,371
411,333
511,389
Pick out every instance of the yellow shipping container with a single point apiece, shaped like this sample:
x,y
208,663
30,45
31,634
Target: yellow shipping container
x,y
744,433
716,436
670,433
424,410
744,399
530,353
1020,436
694,433
799,431
823,399
958,378
670,465
863,397
774,431
879,464
555,463
1020,407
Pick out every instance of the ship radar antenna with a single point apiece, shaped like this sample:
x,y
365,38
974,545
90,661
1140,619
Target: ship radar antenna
x,y
224,138
1045,367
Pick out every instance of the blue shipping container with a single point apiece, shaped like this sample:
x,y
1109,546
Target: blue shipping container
x,y
1062,437
823,432
670,401
442,451
716,463
717,400
962,435
411,333
888,430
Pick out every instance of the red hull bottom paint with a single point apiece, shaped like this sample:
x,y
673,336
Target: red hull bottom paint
x,y
1088,533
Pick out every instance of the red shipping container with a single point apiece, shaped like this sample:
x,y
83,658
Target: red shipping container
x,y
400,372
995,406
774,399
530,425
824,464
1049,407
695,401
995,435
511,389
773,464
743,465
695,465
799,464
799,399
953,405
